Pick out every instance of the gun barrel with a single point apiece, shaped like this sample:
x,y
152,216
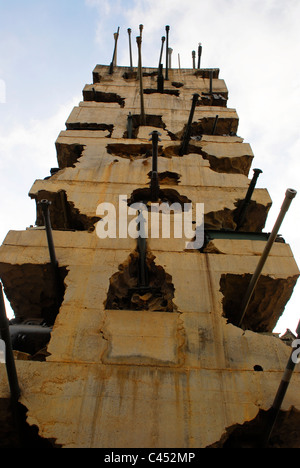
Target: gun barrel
x,y
289,195
186,137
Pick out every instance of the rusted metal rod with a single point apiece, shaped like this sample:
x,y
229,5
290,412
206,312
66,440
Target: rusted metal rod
x,y
143,116
187,134
247,199
279,397
167,52
130,50
289,195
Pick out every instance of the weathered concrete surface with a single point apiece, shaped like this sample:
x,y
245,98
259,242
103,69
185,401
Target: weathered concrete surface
x,y
180,376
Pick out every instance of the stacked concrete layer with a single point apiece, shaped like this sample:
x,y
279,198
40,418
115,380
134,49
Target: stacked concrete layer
x,y
150,378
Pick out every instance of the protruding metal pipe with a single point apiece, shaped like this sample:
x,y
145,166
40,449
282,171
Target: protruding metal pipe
x,y
179,61
9,356
247,200
44,204
160,79
161,50
215,125
186,137
129,125
283,386
170,56
289,195
113,62
141,27
194,59
143,116
154,184
199,54
167,52
130,50
211,81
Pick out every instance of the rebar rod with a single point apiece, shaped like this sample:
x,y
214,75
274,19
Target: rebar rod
x,y
289,195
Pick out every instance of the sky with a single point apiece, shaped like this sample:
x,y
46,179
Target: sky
x,y
49,48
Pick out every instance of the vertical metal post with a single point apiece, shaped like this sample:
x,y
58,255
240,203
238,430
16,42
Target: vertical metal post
x,y
283,386
167,52
210,81
247,200
154,184
113,62
142,247
179,61
129,125
186,137
161,50
143,116
289,195
141,27
170,57
160,80
199,54
194,59
9,356
130,50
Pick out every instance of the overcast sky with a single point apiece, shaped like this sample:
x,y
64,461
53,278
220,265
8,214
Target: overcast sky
x,y
48,49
